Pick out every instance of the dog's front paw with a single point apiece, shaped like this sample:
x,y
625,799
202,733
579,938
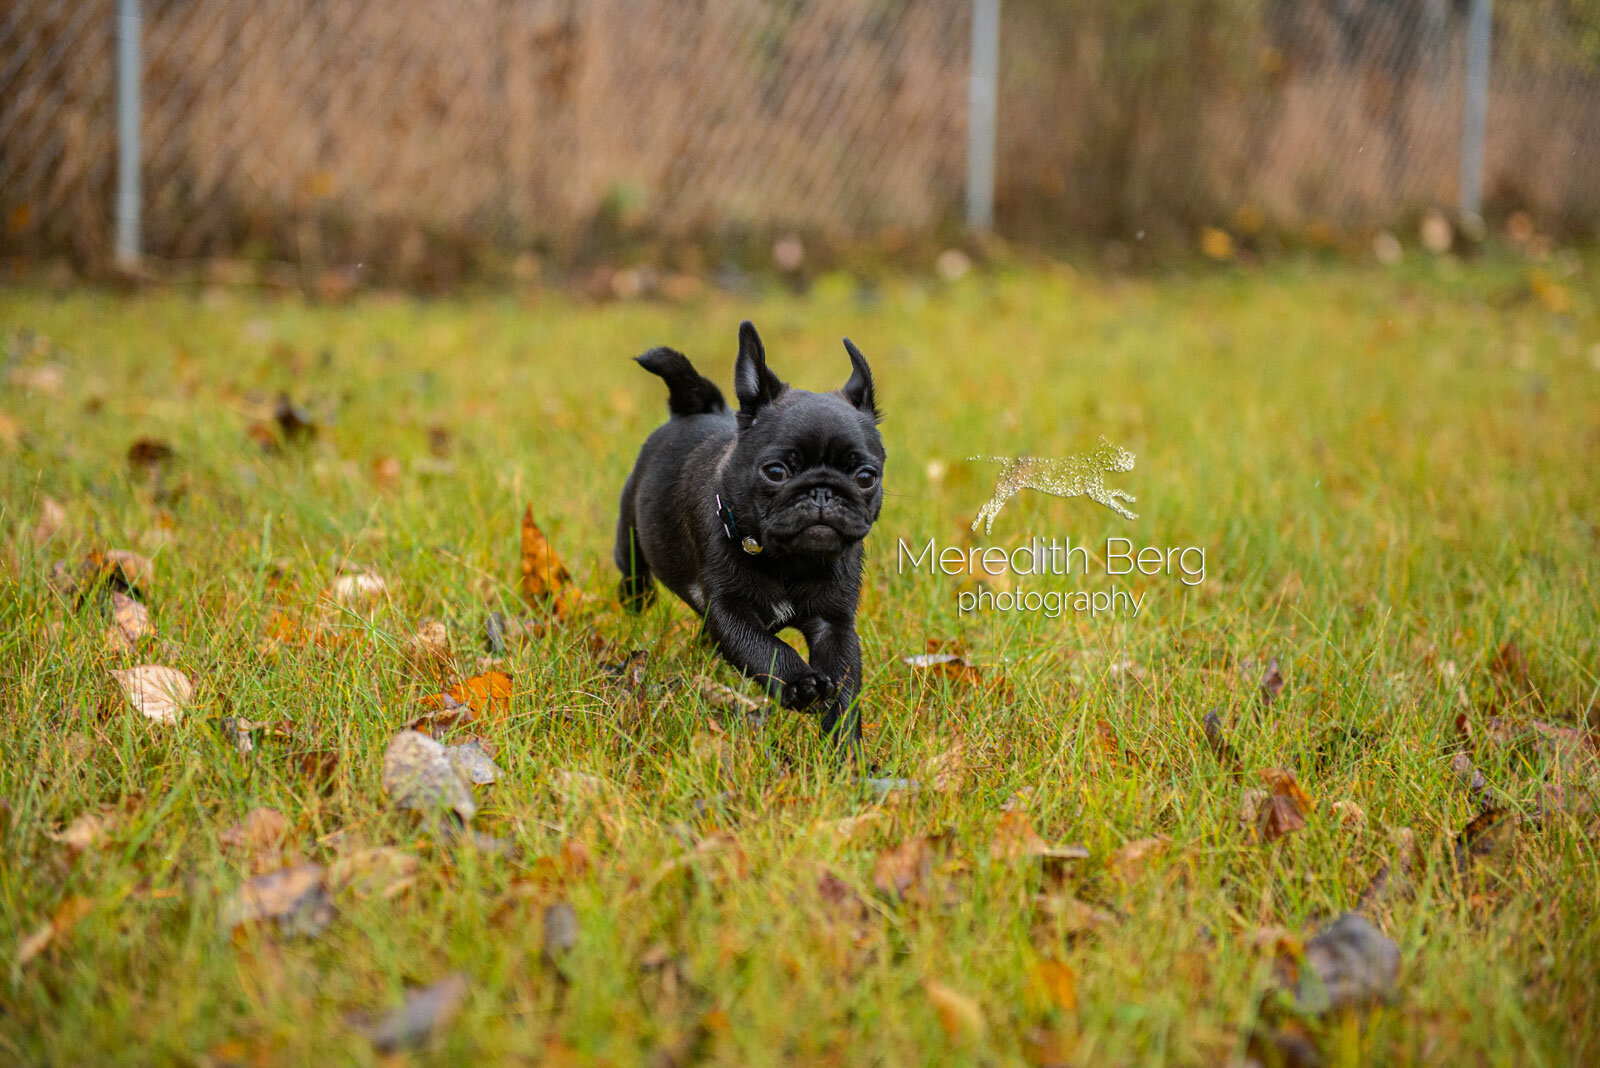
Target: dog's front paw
x,y
807,691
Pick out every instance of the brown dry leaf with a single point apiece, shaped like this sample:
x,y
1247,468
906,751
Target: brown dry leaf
x,y
950,665
1271,682
1015,838
1218,740
1349,814
85,832
959,1015
1489,839
260,835
418,775
421,1015
64,919
146,455
1283,812
156,692
946,771
447,715
1127,862
130,623
52,521
1071,913
1057,984
544,576
358,588
382,870
430,646
898,871
843,830
725,698
122,567
295,898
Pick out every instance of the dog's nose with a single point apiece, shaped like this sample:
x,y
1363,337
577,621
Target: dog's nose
x,y
821,496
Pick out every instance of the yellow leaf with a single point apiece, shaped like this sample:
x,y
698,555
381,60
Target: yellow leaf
x,y
958,1014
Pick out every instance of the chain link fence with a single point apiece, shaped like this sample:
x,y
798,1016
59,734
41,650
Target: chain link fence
x,y
405,133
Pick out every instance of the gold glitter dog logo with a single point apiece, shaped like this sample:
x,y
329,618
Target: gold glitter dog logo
x,y
1068,476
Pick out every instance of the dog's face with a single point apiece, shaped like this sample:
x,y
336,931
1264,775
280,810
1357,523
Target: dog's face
x,y
807,468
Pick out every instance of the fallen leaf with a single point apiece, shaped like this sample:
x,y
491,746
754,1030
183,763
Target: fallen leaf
x,y
1271,682
422,1014
52,521
1349,814
130,622
448,714
64,919
953,666
958,1014
946,771
1350,964
430,646
487,695
543,575
358,588
417,775
1283,811
295,898
83,833
1055,980
1015,838
382,870
156,692
1127,862
897,871
725,698
472,763
1490,837
123,568
1218,740
261,835
296,424
147,455
560,931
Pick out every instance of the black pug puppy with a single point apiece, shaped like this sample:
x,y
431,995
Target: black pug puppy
x,y
756,519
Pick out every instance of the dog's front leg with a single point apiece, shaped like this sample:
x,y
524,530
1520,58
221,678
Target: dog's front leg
x,y
747,645
836,652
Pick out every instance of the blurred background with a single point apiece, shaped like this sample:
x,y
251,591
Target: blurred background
x,y
411,142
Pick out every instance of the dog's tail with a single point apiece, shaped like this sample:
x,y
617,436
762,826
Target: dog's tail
x,y
688,391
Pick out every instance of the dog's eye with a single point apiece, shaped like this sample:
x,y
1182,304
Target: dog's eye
x,y
866,478
775,472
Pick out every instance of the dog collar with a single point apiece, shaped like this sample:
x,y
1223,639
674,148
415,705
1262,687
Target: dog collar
x,y
731,528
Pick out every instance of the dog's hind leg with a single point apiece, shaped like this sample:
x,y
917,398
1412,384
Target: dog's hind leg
x,y
637,588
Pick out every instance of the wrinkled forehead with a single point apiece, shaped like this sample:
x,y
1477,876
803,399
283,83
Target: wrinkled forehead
x,y
823,426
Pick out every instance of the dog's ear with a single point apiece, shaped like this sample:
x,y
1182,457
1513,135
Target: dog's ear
x,y
753,384
858,391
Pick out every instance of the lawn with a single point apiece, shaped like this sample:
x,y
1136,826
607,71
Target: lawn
x,y
1391,472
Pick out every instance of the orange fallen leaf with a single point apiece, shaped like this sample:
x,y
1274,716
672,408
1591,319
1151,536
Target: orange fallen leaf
x,y
958,1014
487,695
1055,981
544,576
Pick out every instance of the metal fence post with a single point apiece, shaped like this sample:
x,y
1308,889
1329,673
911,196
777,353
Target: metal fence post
x,y
1475,111
981,106
129,194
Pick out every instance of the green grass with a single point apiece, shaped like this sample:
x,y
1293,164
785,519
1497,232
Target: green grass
x,y
1391,472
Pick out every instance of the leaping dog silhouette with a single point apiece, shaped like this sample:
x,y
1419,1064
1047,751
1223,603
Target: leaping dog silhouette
x,y
1067,476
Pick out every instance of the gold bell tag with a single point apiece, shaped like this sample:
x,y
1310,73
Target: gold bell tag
x,y
750,546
